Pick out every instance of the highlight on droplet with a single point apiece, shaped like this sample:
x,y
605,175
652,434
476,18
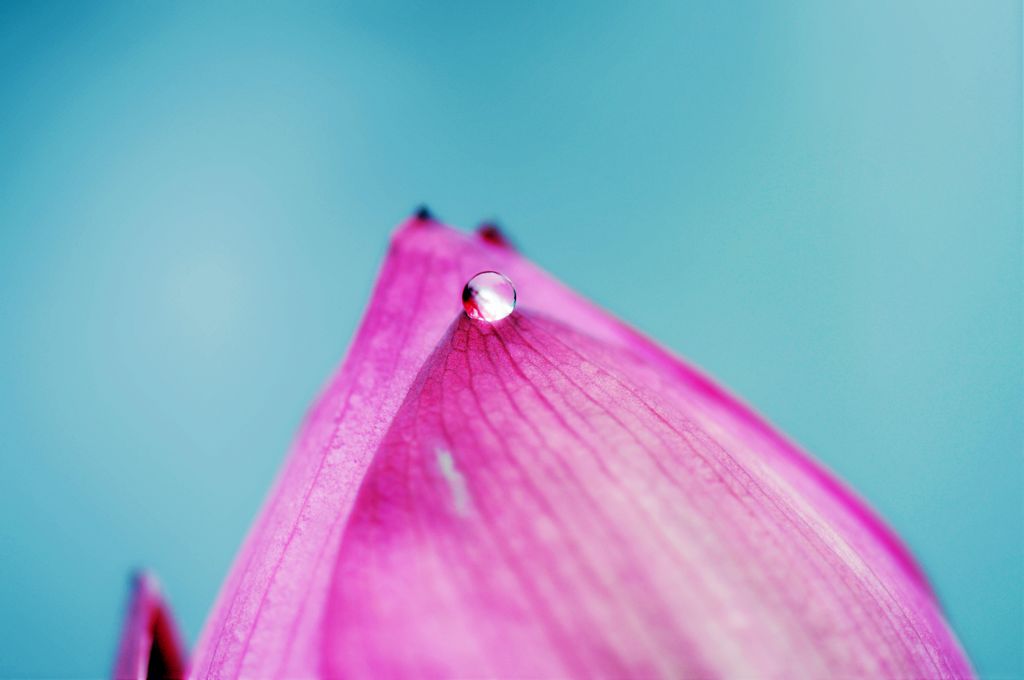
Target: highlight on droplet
x,y
489,296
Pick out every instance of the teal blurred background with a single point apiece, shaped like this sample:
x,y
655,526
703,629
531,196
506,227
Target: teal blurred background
x,y
819,203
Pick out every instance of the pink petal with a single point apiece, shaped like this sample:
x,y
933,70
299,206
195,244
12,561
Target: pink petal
x,y
552,495
150,644
547,505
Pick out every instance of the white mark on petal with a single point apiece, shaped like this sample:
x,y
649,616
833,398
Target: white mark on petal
x,y
456,482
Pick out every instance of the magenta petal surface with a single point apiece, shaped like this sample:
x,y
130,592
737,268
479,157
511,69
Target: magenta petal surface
x,y
546,505
553,494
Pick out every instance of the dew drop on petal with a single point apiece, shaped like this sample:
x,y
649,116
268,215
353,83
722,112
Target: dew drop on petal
x,y
489,296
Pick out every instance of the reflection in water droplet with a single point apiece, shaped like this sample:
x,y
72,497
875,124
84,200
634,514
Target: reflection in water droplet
x,y
489,296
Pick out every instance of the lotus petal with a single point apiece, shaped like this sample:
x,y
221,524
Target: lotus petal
x,y
553,495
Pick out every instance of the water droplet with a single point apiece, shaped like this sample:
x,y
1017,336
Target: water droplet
x,y
489,296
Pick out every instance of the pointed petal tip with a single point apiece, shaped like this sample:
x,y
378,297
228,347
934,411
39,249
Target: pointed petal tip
x,y
492,233
151,645
142,580
421,219
423,214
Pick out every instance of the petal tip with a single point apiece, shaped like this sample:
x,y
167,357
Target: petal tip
x,y
151,645
492,233
422,217
423,214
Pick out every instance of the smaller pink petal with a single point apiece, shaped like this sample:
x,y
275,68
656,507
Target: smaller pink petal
x,y
151,646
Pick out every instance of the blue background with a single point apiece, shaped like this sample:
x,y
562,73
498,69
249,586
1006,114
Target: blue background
x,y
819,203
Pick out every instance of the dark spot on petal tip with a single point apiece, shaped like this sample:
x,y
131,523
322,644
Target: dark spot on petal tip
x,y
491,233
423,214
